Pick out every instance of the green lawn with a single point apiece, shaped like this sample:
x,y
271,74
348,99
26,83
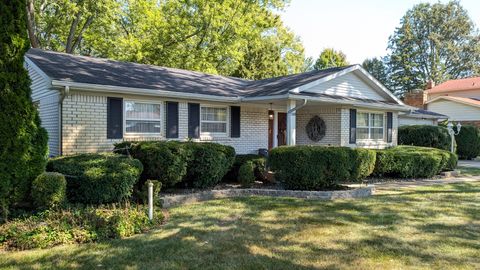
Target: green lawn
x,y
469,171
428,227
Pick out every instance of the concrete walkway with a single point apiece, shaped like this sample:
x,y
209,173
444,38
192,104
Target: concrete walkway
x,y
469,163
425,182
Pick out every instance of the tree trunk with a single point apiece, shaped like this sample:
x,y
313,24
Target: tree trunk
x,y
31,24
71,34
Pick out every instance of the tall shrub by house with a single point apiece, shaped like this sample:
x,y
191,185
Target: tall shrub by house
x,y
23,143
468,142
424,135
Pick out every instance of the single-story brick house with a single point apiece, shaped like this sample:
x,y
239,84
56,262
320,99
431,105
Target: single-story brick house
x,y
87,104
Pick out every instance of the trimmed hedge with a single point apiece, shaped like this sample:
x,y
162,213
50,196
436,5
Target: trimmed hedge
x,y
208,163
246,174
49,190
468,142
319,167
424,135
413,162
97,178
75,225
258,161
200,165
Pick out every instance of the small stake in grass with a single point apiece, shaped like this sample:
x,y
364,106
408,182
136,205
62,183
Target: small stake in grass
x,y
150,200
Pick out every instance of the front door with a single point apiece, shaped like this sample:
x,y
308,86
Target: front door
x,y
282,129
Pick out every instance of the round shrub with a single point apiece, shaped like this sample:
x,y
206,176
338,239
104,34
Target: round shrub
x,y
424,135
163,160
246,174
97,178
318,167
363,163
413,162
208,164
49,190
468,142
258,162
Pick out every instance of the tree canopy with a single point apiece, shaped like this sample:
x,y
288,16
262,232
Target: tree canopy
x,y
239,38
377,68
330,58
434,42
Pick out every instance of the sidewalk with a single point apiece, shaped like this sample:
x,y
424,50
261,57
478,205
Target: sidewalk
x,y
425,182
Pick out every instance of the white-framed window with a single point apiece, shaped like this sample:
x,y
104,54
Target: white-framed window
x,y
370,126
142,117
213,120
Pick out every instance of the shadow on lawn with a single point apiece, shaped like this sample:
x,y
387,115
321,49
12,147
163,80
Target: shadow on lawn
x,y
266,233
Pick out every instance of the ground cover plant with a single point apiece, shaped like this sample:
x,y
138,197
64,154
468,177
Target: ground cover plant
x,y
433,227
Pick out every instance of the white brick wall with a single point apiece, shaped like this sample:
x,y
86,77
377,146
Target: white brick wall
x,y
331,117
85,126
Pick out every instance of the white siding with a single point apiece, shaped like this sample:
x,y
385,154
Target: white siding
x,y
455,110
348,85
467,94
47,99
408,121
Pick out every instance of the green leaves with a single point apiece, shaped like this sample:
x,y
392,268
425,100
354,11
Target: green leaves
x,y
433,42
239,38
330,58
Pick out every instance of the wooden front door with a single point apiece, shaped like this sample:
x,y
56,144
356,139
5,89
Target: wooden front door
x,y
282,129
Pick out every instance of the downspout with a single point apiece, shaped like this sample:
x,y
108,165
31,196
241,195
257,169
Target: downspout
x,y
297,107
63,93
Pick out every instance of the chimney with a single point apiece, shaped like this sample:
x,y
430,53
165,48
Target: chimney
x,y
415,98
430,85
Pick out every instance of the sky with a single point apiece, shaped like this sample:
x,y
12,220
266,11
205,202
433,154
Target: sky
x,y
359,28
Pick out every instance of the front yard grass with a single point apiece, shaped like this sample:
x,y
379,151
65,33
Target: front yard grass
x,y
468,171
413,228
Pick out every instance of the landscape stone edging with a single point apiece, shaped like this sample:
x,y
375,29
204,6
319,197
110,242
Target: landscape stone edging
x,y
174,200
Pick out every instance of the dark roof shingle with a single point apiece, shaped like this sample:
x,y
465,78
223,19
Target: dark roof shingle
x,y
100,71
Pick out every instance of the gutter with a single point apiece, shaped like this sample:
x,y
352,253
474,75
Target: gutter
x,y
63,93
297,107
142,91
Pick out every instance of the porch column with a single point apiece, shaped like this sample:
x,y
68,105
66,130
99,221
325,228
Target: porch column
x,y
291,122
275,129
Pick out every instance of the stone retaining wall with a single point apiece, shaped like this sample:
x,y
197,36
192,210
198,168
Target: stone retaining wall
x,y
173,200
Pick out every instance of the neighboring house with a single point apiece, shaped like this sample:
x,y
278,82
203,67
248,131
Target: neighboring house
x,y
459,99
87,104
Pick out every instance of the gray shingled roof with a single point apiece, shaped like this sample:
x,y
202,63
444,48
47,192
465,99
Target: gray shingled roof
x,y
82,69
426,112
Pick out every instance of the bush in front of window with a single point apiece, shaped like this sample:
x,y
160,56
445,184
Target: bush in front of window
x,y
424,135
97,178
208,163
258,161
468,142
163,160
319,167
413,162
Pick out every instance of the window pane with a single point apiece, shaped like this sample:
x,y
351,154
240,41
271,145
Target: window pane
x,y
362,133
135,110
214,127
362,119
214,114
377,120
136,126
377,133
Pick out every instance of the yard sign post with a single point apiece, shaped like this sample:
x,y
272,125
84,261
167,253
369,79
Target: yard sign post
x,y
150,200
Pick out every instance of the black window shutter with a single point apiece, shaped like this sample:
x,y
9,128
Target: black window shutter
x,y
389,127
172,119
114,118
235,121
353,126
193,120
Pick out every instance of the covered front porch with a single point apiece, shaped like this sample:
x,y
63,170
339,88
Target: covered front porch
x,y
350,123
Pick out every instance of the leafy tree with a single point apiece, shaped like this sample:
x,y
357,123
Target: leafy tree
x,y
433,42
330,58
239,38
377,68
23,143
